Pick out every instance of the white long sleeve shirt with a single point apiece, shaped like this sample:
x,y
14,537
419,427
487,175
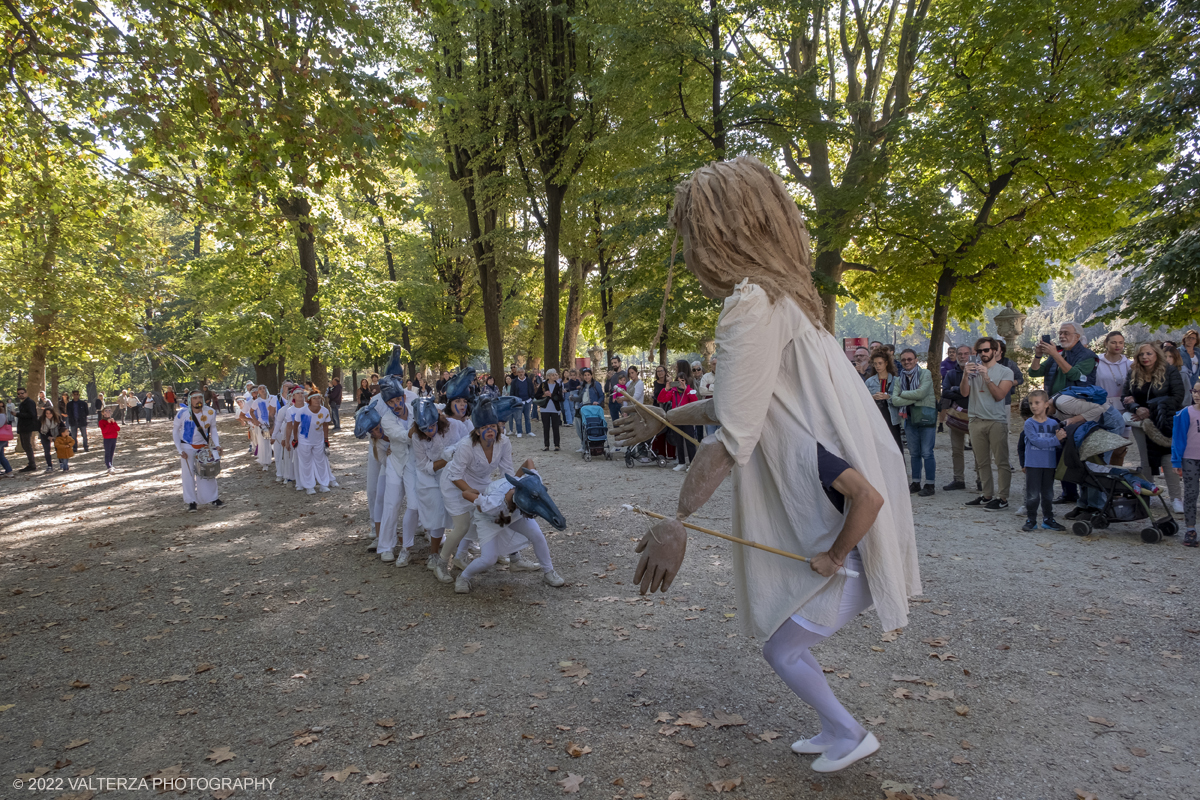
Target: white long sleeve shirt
x,y
186,434
470,465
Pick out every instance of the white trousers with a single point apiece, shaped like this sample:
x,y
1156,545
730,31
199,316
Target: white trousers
x,y
489,551
289,464
195,488
374,468
277,449
380,491
392,498
312,466
263,443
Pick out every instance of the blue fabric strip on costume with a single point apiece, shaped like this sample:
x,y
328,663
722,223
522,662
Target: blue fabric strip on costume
x,y
189,430
305,423
262,409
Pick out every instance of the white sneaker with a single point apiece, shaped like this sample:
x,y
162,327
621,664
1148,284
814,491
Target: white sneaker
x,y
374,544
460,563
402,558
266,467
387,555
335,485
310,491
1177,506
462,585
679,468
278,480
519,435
580,450
322,489
432,561
442,573
806,747
866,747
505,560
552,578
522,565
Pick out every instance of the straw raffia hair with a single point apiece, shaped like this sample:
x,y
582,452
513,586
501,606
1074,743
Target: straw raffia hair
x,y
738,221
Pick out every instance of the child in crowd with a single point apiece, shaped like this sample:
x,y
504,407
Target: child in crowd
x,y
1185,458
64,446
109,430
1041,459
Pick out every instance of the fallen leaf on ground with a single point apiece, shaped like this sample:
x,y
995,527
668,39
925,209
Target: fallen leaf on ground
x,y
460,714
693,719
575,751
876,720
1139,752
726,785
571,783
1102,721
471,647
640,673
341,775
890,636
664,716
723,762
376,777
76,743
960,760
721,719
386,723
934,694
220,754
305,741
1121,767
79,685
768,736
1082,795
962,711
384,741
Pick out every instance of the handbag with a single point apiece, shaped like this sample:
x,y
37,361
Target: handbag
x,y
957,418
6,432
922,416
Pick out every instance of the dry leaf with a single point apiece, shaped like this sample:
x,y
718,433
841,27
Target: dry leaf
x,y
941,612
1121,767
693,719
1082,795
575,751
934,694
890,636
962,711
965,745
384,741
76,743
1102,721
386,723
79,685
361,657
414,736
721,719
471,647
640,673
571,783
339,776
876,720
220,754
960,760
664,716
1139,752
473,780
726,785
305,741
723,762
902,693
768,736
376,777
460,714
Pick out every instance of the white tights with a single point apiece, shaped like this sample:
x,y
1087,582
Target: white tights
x,y
787,651
489,551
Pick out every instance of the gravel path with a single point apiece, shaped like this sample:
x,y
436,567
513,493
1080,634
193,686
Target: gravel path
x,y
139,640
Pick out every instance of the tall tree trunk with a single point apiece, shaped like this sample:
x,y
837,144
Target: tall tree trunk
x,y
280,371
606,306
43,316
662,347
941,314
577,269
405,338
54,384
716,42
829,265
296,211
551,315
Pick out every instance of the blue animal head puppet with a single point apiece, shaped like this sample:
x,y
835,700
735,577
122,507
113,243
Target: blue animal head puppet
x,y
391,387
425,415
531,497
485,413
460,385
505,407
395,366
366,419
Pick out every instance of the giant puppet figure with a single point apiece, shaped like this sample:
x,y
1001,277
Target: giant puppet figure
x,y
815,469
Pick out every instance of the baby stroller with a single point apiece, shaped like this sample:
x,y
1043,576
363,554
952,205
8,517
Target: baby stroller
x,y
595,432
1124,501
644,453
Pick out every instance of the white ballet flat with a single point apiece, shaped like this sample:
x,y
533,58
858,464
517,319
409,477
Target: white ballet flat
x,y
805,747
866,747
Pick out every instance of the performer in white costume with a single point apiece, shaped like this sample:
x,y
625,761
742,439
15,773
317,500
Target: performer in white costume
x,y
289,444
278,422
744,240
260,410
395,422
194,429
429,441
309,428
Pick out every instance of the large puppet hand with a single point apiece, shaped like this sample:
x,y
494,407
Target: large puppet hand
x,y
642,425
662,550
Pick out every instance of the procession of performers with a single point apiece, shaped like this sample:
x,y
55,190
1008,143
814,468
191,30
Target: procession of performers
x,y
810,477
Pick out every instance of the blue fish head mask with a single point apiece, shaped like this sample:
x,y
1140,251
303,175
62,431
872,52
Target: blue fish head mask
x,y
426,414
460,384
366,419
531,497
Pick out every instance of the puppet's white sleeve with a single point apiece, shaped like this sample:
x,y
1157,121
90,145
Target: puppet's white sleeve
x,y
750,341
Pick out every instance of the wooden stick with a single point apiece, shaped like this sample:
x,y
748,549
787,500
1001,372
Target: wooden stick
x,y
841,570
629,397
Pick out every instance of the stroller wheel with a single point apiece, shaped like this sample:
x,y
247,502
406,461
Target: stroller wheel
x,y
662,462
1081,527
628,460
608,456
587,456
1169,527
1151,535
1099,521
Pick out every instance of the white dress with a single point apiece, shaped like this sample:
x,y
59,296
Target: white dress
x,y
189,438
259,410
312,464
428,490
805,391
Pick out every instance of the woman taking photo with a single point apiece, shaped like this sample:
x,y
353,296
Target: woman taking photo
x,y
680,392
880,387
550,403
1152,394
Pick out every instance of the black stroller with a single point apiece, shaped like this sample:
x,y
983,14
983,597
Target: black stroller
x,y
643,453
1123,503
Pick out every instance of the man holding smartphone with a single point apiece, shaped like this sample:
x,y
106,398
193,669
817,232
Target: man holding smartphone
x,y
986,384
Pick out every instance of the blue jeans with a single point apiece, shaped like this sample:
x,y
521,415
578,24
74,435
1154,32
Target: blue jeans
x,y
920,447
335,415
79,434
524,416
4,461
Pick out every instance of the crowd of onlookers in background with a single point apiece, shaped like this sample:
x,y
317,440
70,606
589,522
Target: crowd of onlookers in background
x,y
1150,399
